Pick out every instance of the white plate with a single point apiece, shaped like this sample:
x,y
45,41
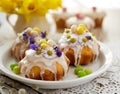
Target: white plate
x,y
71,80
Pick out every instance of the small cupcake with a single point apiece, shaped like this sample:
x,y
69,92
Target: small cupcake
x,y
24,39
44,61
79,45
80,19
60,16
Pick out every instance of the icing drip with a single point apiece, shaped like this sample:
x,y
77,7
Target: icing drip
x,y
32,60
89,40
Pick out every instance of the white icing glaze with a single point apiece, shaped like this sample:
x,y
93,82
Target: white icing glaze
x,y
60,14
86,20
79,44
18,51
31,59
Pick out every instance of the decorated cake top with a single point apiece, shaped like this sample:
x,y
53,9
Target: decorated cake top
x,y
30,35
77,35
46,48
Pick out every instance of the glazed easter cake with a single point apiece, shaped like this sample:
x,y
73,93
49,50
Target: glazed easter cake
x,y
80,19
44,61
24,39
79,45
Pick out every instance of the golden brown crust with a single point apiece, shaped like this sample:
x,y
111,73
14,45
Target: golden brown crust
x,y
70,56
86,55
60,23
60,71
16,51
35,73
48,75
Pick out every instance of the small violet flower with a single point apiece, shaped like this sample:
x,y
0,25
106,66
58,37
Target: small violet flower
x,y
43,34
33,47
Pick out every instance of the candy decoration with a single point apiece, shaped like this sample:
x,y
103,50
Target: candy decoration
x,y
79,16
36,29
64,9
13,65
78,68
16,70
80,72
44,45
88,71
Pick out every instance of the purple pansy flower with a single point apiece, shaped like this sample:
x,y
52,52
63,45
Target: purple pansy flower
x,y
88,37
25,36
33,47
58,51
43,34
32,39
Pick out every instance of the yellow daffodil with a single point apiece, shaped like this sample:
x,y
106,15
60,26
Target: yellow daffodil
x,y
7,6
29,8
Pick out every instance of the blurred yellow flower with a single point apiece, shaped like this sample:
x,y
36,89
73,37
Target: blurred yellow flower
x,y
29,8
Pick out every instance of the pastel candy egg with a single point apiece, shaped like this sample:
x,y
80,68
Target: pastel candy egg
x,y
42,41
36,29
74,28
44,45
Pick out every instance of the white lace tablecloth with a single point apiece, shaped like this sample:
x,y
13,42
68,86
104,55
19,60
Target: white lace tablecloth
x,y
107,83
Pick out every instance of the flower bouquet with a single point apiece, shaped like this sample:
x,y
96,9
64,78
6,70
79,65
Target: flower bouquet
x,y
28,9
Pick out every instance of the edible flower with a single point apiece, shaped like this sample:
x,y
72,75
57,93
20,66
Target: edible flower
x,y
33,47
58,51
32,39
88,37
25,36
43,34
